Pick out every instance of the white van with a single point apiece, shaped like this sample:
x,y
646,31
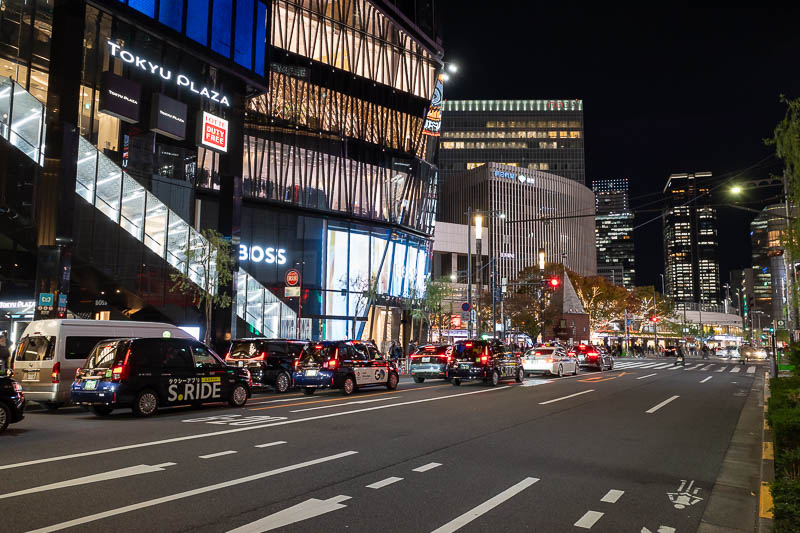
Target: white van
x,y
50,351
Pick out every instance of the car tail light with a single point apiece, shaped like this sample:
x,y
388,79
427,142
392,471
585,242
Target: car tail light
x,y
56,374
537,353
261,357
296,363
77,373
120,372
484,359
468,344
17,387
228,356
330,364
593,354
549,359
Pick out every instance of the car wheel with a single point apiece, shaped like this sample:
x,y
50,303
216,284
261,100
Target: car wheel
x,y
145,404
238,396
520,377
575,369
393,379
102,410
419,380
282,382
308,391
349,386
495,380
5,416
561,371
456,382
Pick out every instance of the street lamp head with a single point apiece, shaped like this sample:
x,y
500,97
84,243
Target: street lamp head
x,y
452,68
542,255
445,76
478,226
736,189
453,278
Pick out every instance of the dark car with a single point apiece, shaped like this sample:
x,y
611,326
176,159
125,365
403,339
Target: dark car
x,y
270,361
346,365
488,360
430,362
12,402
592,357
145,374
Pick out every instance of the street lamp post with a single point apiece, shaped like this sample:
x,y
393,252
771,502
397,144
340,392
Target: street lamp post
x,y
479,265
469,269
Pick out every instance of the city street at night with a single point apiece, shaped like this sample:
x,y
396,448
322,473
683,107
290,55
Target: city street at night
x,y
637,448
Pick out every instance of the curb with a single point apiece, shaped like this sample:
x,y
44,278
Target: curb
x,y
767,468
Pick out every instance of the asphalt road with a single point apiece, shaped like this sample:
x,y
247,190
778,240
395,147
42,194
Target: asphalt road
x,y
636,447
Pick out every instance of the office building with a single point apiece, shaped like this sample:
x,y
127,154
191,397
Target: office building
x,y
524,210
770,287
614,231
690,242
292,128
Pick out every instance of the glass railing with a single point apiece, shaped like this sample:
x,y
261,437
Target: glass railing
x,y
22,119
102,183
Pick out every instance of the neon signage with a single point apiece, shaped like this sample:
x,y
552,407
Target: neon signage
x,y
510,175
261,254
154,68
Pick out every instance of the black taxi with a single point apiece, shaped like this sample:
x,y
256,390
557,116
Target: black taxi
x,y
270,361
12,402
145,374
489,360
346,365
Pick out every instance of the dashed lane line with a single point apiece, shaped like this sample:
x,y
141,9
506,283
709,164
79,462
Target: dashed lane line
x,y
612,496
270,444
384,482
241,429
649,375
485,507
662,404
189,493
218,454
425,468
344,402
358,402
589,519
565,397
704,380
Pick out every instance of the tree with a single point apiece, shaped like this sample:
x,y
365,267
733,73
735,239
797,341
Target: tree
x,y
364,291
207,267
427,309
602,301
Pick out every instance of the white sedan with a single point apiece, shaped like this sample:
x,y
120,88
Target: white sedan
x,y
549,360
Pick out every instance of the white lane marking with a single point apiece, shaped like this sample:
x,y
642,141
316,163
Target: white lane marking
x,y
238,430
706,367
218,454
735,369
189,493
662,404
695,367
589,519
488,505
751,370
276,401
648,375
675,367
425,468
384,482
704,380
662,366
344,404
651,365
296,513
720,369
270,444
565,397
94,478
612,496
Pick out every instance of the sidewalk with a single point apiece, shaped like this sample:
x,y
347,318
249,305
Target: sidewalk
x,y
734,501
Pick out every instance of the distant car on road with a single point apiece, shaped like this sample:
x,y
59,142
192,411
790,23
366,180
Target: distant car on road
x,y
12,402
430,362
488,360
591,357
270,361
552,360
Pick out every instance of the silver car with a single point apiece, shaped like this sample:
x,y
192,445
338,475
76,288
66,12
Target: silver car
x,y
549,360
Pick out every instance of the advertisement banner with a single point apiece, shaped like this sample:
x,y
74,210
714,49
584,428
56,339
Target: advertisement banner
x,y
168,117
433,121
212,132
120,98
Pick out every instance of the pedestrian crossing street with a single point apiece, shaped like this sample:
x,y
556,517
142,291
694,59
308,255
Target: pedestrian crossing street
x,y
704,366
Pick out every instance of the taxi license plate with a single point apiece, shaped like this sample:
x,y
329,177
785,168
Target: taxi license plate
x,y
311,372
426,359
90,384
465,367
30,375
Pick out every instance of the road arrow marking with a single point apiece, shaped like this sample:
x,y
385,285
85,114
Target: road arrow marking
x,y
95,478
297,513
661,529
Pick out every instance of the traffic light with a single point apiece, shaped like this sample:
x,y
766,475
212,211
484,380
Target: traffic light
x,y
654,318
554,283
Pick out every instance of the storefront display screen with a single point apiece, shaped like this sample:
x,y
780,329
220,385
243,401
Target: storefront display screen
x,y
120,98
168,117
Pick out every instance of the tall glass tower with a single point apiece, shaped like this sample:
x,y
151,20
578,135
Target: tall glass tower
x,y
614,231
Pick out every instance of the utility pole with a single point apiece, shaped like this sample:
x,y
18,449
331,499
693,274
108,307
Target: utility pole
x,y
469,269
655,322
479,265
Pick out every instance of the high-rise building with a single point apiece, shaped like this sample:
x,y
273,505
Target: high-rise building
x,y
690,242
614,231
528,134
293,128
770,289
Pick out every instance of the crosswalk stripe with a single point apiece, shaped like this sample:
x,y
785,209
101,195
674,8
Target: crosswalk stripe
x,y
720,370
662,365
751,370
735,369
706,367
651,365
695,367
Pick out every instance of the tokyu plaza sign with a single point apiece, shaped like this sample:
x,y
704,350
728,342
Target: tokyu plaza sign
x,y
155,69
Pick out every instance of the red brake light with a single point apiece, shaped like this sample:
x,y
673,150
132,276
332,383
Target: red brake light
x,y
120,372
468,344
332,364
537,353
296,363
549,359
261,357
484,359
228,356
77,373
56,372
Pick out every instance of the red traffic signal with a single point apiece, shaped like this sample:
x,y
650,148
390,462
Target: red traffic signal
x,y
554,282
653,318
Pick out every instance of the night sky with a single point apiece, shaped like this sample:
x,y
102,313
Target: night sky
x,y
677,91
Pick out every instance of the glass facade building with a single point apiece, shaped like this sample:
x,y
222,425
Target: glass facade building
x,y
293,128
614,231
770,288
690,242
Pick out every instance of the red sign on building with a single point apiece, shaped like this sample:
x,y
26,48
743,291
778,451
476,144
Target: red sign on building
x,y
292,277
212,132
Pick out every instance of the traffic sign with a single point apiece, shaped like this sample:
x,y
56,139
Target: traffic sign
x,y
292,292
781,323
292,277
465,307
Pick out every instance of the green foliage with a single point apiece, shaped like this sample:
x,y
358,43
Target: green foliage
x,y
210,262
786,426
786,505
